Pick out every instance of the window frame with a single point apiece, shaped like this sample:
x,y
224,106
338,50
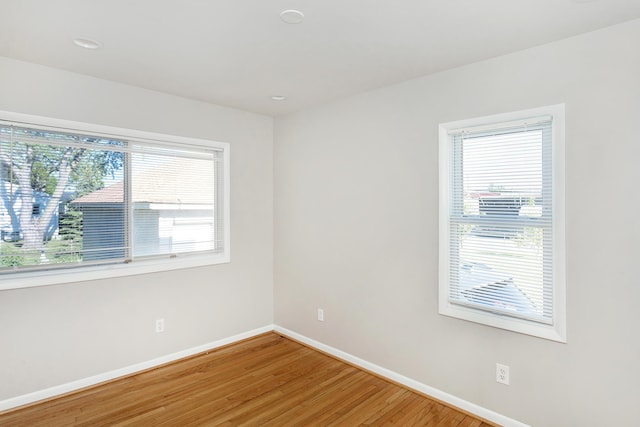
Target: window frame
x,y
556,331
80,273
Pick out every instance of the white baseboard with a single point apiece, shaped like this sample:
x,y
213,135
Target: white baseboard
x,y
472,408
408,382
25,399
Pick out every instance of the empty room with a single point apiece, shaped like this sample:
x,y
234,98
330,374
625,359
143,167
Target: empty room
x,y
296,212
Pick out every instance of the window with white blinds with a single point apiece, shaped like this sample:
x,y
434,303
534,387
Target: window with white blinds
x,y
89,196
500,247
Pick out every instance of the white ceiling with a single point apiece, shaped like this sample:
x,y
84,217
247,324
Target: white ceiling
x,y
239,53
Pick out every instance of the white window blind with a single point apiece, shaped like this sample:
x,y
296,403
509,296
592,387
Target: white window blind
x,y
70,199
502,221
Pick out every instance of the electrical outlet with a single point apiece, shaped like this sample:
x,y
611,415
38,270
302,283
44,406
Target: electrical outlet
x,y
320,315
502,374
159,325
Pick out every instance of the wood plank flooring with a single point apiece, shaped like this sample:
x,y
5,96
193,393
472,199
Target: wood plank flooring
x,y
268,380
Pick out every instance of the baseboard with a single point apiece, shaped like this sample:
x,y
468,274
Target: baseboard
x,y
466,406
72,386
36,396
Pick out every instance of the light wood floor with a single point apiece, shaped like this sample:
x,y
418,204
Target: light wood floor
x,y
264,381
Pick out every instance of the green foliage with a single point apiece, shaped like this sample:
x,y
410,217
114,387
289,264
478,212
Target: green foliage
x,y
70,224
56,251
465,229
88,173
88,166
494,188
530,237
11,255
42,178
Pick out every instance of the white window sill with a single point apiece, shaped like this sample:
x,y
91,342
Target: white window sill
x,y
20,280
550,332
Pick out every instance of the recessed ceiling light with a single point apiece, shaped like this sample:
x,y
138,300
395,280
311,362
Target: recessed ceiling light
x,y
292,16
278,98
87,43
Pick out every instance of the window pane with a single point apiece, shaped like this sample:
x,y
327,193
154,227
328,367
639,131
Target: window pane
x,y
502,274
500,261
43,175
173,202
75,199
502,173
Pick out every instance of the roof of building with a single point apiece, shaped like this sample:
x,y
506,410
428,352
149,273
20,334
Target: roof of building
x,y
186,185
111,194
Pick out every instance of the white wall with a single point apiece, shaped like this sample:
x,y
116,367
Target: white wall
x,y
356,231
57,334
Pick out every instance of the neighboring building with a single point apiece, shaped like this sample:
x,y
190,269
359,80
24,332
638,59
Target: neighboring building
x,y
102,223
168,215
496,204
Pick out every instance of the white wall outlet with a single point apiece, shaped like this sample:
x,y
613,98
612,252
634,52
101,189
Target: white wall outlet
x,y
502,373
159,325
320,315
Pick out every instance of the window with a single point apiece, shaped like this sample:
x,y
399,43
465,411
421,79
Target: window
x,y
502,221
79,201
